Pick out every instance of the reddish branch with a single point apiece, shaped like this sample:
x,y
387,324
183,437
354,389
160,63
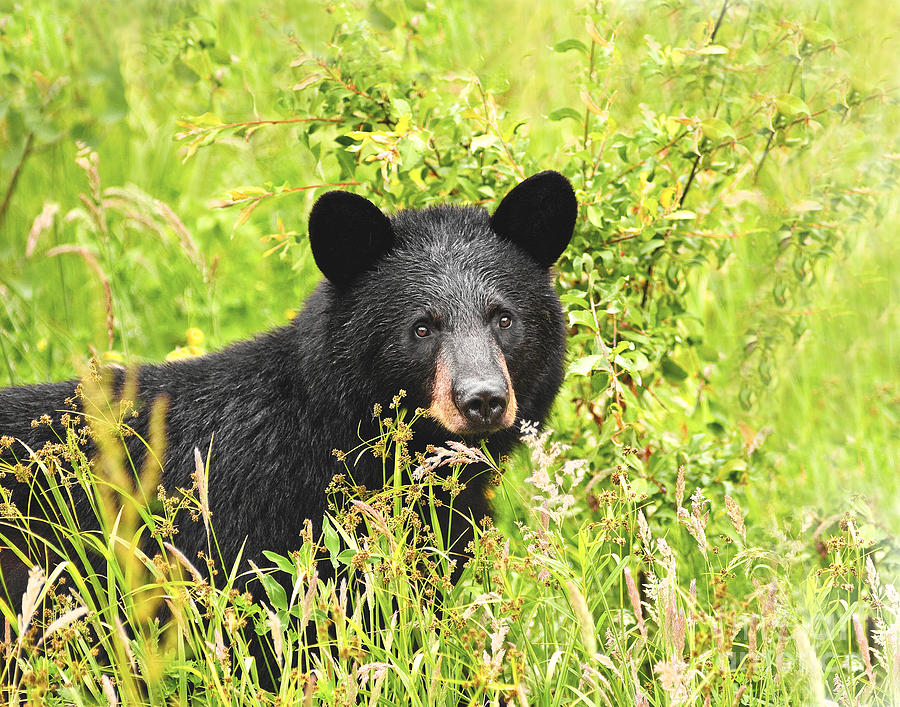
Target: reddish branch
x,y
225,203
251,123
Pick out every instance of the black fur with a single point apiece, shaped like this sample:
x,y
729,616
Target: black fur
x,y
278,404
347,234
538,215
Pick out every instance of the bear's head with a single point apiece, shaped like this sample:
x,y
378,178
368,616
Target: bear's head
x,y
452,304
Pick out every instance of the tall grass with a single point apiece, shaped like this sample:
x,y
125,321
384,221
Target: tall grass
x,y
557,610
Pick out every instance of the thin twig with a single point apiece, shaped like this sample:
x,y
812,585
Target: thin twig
x,y
587,112
690,180
225,203
696,164
622,238
336,76
646,288
495,128
614,381
764,155
645,293
636,165
251,123
718,22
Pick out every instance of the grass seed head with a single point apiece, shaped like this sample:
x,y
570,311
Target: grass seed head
x,y
635,598
735,516
679,487
584,617
109,691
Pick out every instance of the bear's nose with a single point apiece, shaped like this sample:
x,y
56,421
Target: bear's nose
x,y
484,405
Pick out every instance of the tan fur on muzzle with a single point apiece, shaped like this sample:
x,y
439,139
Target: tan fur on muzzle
x,y
443,407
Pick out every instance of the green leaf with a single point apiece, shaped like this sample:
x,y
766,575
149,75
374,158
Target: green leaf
x,y
623,363
280,561
345,557
184,73
681,215
330,539
569,44
572,298
790,105
583,366
480,142
563,113
595,215
716,129
275,592
607,430
241,193
817,33
640,486
192,148
672,370
412,150
380,19
220,56
307,81
652,245
713,49
205,120
584,318
244,216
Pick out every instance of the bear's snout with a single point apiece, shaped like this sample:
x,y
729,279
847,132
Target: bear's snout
x,y
482,402
472,392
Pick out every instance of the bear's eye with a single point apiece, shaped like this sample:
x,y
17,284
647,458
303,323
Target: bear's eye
x,y
422,331
504,321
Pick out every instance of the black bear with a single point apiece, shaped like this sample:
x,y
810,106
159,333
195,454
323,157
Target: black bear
x,y
451,304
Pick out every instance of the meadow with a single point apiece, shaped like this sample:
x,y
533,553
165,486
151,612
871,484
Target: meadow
x,y
712,515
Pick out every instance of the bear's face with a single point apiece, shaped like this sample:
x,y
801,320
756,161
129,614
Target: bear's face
x,y
450,304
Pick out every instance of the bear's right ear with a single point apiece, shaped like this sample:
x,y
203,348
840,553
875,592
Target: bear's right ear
x,y
347,234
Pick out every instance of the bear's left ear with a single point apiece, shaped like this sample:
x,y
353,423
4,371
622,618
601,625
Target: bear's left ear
x,y
538,215
347,234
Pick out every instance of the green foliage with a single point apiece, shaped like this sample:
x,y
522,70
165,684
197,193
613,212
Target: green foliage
x,y
716,524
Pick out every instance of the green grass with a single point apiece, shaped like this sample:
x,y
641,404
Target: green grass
x,y
836,412
769,387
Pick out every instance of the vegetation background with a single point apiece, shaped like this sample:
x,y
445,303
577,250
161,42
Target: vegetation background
x,y
732,294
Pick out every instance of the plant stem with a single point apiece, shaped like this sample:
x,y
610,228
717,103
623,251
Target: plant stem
x,y
719,21
26,153
587,113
